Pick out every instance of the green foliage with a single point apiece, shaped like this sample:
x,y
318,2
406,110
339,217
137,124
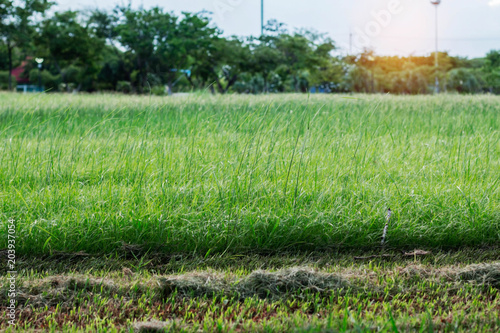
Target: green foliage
x,y
16,27
4,80
72,49
415,81
465,80
4,58
161,44
93,51
493,81
112,71
158,90
330,75
124,87
50,82
491,71
359,79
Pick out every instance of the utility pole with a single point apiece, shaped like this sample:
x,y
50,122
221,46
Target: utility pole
x,y
262,17
436,4
350,43
39,61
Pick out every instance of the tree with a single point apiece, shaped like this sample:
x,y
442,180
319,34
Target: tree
x,y
161,44
103,26
265,58
330,75
416,79
71,47
143,33
16,26
233,55
220,62
465,80
193,42
4,61
297,55
115,66
358,79
491,71
302,56
360,75
329,71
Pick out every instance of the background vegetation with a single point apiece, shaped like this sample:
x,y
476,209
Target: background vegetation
x,y
154,51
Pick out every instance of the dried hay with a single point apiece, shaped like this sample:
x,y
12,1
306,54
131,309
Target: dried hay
x,y
484,274
280,283
193,284
62,290
153,326
261,283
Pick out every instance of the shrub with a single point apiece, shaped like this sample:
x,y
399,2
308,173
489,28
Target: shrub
x,y
50,82
158,90
464,80
124,87
4,80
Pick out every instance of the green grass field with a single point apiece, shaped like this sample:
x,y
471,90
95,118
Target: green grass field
x,y
134,181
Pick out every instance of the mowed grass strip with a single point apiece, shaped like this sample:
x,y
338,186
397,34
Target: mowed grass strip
x,y
369,297
207,175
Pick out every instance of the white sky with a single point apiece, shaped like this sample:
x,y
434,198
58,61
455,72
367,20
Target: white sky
x,y
466,27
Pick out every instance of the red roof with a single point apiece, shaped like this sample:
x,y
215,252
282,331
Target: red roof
x,y
17,73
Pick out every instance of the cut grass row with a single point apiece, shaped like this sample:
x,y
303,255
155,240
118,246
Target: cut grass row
x,y
238,174
441,292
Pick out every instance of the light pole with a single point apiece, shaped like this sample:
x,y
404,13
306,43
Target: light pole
x,y
39,61
436,4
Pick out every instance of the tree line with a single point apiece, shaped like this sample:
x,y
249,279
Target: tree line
x,y
155,51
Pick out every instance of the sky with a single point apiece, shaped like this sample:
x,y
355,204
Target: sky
x,y
467,28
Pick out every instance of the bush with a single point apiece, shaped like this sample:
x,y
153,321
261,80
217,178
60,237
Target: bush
x,y
72,74
358,79
465,80
158,90
493,81
49,82
124,87
4,80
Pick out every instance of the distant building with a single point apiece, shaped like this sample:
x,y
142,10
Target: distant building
x,y
17,73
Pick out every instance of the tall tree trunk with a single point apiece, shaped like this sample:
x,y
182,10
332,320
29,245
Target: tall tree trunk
x,y
231,82
9,48
219,85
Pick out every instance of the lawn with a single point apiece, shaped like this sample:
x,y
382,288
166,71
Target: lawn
x,y
243,173
249,213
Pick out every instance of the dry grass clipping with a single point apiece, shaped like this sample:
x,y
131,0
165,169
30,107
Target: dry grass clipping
x,y
259,283
155,326
283,282
484,274
194,284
